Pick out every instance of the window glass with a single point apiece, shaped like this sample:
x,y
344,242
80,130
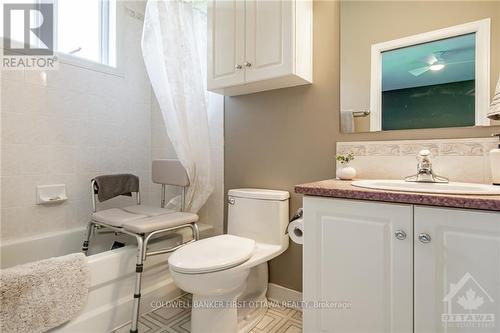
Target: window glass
x,y
78,24
86,29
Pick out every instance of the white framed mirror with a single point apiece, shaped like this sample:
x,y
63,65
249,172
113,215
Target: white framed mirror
x,y
405,65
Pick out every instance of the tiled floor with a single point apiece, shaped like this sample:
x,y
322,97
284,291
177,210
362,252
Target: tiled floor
x,y
174,320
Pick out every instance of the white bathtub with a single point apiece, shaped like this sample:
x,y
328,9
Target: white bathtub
x,y
109,304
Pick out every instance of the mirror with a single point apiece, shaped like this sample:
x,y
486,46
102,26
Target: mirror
x,y
417,64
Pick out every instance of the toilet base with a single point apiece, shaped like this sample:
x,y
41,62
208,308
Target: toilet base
x,y
253,302
251,319
230,320
215,313
238,311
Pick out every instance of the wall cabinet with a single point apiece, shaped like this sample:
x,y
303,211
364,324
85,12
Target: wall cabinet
x,y
381,267
256,45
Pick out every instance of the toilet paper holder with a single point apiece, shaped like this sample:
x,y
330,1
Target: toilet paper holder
x,y
298,214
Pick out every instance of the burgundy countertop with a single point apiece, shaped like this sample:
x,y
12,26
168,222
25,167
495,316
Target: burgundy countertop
x,y
334,188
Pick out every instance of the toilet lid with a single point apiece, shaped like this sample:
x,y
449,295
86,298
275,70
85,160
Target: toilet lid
x,y
212,254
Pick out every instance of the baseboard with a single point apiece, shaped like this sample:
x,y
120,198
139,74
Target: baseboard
x,y
283,295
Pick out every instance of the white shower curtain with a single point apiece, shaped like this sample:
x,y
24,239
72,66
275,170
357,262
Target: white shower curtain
x,y
174,50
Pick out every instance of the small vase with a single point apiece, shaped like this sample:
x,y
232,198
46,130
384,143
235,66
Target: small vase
x,y
346,172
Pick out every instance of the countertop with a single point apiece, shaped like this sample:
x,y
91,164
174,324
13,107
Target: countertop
x,y
335,188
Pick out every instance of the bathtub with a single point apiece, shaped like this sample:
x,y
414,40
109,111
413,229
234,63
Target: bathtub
x,y
109,304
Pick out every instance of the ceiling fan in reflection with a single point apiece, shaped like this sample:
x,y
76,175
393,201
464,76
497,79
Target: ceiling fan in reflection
x,y
435,62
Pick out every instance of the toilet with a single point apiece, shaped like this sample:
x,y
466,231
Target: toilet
x,y
228,274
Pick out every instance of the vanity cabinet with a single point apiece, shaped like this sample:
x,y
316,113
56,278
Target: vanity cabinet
x,y
351,255
457,270
383,267
258,45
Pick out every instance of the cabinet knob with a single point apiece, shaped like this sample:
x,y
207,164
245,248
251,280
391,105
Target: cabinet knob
x,y
237,66
248,64
424,238
400,234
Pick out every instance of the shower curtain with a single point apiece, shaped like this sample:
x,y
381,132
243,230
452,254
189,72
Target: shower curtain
x,y
174,47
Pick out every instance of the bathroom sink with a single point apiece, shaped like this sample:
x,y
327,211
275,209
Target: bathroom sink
x,y
442,188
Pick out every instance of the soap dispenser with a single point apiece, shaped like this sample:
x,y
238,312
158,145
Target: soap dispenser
x,y
495,163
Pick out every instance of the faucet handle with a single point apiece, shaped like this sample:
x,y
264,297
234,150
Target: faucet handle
x,y
424,153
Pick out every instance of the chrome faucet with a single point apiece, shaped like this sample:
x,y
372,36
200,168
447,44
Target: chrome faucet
x,y
424,170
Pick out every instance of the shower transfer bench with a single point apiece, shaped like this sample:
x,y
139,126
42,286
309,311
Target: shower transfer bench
x,y
141,221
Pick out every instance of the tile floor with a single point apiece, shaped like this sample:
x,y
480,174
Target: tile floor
x,y
178,320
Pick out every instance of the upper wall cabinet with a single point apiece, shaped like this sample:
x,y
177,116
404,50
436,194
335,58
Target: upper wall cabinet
x,y
257,45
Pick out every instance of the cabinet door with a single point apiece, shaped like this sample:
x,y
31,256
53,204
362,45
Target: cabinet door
x,y
269,32
226,43
457,270
352,255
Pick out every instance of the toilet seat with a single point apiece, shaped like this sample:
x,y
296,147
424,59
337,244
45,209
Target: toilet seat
x,y
212,254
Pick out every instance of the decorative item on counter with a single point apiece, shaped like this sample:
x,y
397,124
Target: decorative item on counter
x,y
494,113
495,163
344,170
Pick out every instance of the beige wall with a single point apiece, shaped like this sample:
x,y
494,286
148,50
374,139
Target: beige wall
x,y
284,137
389,20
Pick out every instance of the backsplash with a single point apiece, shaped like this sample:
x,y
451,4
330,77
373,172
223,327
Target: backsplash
x,y
464,160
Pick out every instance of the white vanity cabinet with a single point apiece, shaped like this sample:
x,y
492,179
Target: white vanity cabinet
x,y
458,270
351,255
383,267
256,45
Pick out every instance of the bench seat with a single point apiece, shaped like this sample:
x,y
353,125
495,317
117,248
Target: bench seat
x,y
143,219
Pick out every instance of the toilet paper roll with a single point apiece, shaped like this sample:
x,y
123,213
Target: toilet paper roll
x,y
296,231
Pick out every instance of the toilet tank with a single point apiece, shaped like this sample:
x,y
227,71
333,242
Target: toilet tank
x,y
258,214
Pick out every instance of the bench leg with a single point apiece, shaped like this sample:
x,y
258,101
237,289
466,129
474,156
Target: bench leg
x,y
88,234
138,277
196,232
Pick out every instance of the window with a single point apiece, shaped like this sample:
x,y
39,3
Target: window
x,y
86,29
82,28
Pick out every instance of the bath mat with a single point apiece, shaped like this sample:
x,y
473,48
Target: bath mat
x,y
41,295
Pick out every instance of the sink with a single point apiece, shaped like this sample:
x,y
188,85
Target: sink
x,y
447,188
